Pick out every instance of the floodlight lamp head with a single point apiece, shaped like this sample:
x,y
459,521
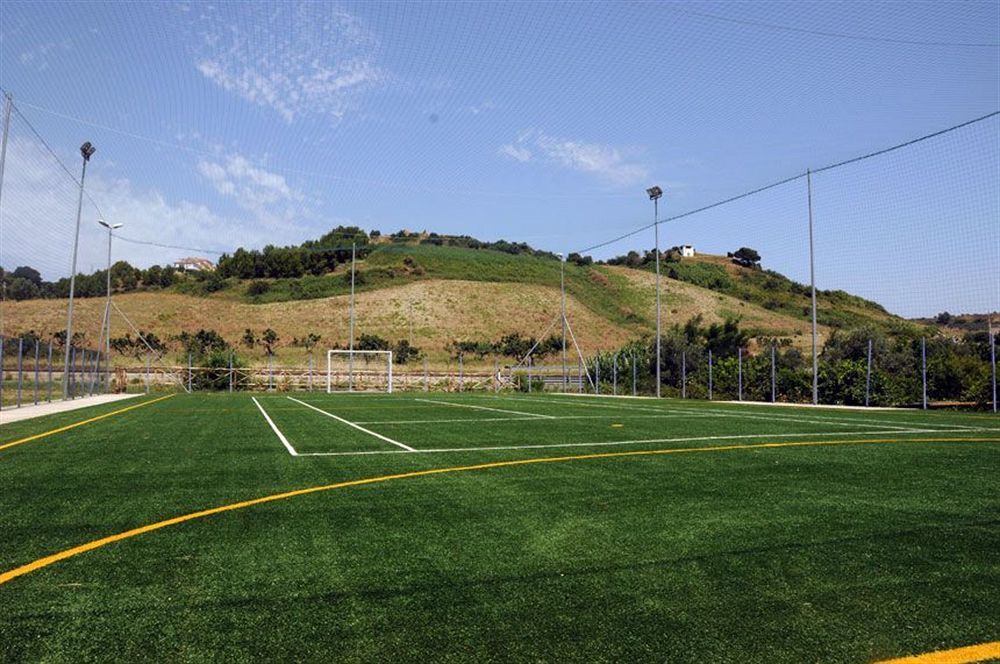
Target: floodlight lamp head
x,y
654,192
87,150
104,223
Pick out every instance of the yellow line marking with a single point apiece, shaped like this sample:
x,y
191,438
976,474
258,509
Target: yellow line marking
x,y
98,543
22,441
978,653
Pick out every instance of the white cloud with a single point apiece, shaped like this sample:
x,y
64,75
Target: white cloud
x,y
301,59
253,187
38,218
615,166
517,152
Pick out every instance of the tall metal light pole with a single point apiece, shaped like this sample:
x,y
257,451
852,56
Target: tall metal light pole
x,y
562,288
654,195
86,151
8,103
106,328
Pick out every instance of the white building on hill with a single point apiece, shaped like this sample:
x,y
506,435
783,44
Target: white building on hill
x,y
687,251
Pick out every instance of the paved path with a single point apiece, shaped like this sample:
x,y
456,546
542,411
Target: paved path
x,y
8,415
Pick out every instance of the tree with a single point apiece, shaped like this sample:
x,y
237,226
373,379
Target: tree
x,y
746,257
22,289
270,339
249,338
29,273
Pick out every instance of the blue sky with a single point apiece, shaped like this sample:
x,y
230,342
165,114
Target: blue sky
x,y
227,124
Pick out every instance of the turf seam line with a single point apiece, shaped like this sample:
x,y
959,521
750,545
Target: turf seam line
x,y
51,559
356,426
81,423
275,429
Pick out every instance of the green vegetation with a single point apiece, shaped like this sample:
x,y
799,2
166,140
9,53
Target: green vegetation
x,y
784,554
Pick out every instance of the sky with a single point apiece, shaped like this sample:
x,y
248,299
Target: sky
x,y
229,124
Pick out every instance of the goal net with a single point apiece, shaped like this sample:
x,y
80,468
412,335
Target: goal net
x,y
359,371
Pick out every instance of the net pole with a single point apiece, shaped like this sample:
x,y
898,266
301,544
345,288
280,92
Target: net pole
x,y
579,378
562,288
147,373
390,372
20,366
709,374
868,375
993,364
597,374
427,378
49,363
614,375
634,375
72,274
739,383
350,358
923,369
36,371
684,375
461,373
812,286
1,371
189,373
230,372
774,377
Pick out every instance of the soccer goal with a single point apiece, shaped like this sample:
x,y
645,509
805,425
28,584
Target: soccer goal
x,y
359,371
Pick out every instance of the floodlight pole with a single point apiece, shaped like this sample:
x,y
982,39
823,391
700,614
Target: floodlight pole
x,y
993,364
8,103
562,288
654,195
350,356
812,284
86,151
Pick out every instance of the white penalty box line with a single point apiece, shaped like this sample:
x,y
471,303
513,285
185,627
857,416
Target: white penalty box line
x,y
648,441
352,424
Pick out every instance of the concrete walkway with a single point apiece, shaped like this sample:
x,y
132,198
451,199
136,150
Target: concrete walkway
x,y
8,415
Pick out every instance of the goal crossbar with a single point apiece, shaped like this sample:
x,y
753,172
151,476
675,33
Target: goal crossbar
x,y
352,357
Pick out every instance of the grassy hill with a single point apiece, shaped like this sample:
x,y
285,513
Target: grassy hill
x,y
444,294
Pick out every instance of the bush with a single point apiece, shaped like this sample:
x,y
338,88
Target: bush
x,y
258,287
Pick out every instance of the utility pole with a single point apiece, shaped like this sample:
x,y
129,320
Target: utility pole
x,y
654,195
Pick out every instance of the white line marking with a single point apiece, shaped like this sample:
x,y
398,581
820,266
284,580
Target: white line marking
x,y
358,427
645,441
533,418
496,410
275,429
697,412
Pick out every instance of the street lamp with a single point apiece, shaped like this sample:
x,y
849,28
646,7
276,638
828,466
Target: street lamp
x,y
86,151
106,329
654,195
562,288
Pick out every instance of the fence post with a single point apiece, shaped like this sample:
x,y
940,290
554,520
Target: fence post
x,y
461,373
709,374
868,374
739,384
529,375
684,375
147,372
597,374
774,377
231,372
270,371
496,376
50,373
614,375
310,371
189,372
36,371
20,366
923,368
427,383
579,377
1,373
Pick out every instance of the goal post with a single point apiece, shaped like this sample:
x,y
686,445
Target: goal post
x,y
359,371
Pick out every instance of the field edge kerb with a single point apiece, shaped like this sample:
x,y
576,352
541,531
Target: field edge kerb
x,y
72,552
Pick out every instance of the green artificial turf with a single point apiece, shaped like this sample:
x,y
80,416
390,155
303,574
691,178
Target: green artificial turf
x,y
833,553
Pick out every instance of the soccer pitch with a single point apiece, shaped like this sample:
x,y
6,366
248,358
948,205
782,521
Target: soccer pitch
x,y
432,526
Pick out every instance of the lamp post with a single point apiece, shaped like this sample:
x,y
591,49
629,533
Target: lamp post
x,y
562,288
86,151
654,195
106,329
